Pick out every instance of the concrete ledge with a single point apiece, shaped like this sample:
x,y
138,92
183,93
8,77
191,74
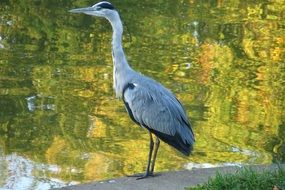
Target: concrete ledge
x,y
175,180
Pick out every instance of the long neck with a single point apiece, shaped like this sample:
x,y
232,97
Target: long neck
x,y
121,68
119,58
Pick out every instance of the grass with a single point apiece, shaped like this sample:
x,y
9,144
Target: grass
x,y
246,179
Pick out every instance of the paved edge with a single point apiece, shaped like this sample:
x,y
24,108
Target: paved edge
x,y
167,180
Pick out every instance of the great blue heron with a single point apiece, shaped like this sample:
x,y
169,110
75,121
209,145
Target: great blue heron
x,y
148,103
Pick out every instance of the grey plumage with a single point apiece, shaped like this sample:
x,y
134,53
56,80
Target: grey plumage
x,y
149,104
157,109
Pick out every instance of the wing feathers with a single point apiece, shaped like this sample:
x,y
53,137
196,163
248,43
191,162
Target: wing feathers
x,y
157,109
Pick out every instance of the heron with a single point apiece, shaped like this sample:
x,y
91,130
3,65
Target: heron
x,y
148,103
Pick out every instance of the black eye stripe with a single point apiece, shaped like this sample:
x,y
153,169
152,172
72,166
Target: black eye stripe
x,y
106,5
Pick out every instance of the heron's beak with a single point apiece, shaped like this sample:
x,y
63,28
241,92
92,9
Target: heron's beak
x,y
85,10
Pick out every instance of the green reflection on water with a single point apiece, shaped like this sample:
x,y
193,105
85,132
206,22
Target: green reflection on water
x,y
224,60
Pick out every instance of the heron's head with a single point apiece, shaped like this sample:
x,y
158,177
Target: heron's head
x,y
101,9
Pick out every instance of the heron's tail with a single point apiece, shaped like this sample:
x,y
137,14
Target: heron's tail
x,y
181,145
176,141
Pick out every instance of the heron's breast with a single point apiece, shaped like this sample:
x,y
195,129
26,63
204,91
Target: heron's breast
x,y
118,83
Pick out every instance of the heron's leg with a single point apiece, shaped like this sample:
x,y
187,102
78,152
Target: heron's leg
x,y
157,142
147,173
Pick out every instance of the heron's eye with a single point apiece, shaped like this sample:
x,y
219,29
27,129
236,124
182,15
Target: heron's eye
x,y
98,8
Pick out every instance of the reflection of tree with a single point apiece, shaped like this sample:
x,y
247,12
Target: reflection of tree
x,y
279,146
233,89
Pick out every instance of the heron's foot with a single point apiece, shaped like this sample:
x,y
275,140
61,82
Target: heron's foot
x,y
141,175
146,175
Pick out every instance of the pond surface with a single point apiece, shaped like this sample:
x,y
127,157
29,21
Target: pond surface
x,y
61,124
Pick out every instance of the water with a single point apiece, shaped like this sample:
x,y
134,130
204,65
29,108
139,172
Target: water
x,y
60,123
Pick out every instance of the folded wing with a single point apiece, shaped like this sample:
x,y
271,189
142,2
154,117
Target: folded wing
x,y
158,110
